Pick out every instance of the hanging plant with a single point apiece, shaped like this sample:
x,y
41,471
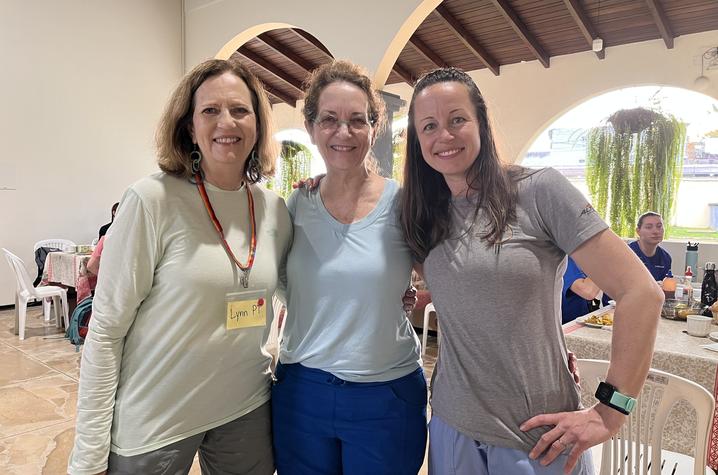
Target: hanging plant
x,y
294,164
634,164
398,149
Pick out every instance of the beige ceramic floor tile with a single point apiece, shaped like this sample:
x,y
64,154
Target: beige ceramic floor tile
x,y
54,342
69,365
35,325
5,348
59,355
40,452
36,403
16,366
44,343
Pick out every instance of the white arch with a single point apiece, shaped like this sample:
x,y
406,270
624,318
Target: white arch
x,y
246,35
401,38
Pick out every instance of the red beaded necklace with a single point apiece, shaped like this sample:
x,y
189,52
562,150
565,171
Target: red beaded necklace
x,y
246,268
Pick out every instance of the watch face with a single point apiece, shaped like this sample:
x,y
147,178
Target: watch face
x,y
604,392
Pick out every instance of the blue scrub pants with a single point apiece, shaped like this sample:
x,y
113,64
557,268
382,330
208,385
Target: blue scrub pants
x,y
453,453
323,425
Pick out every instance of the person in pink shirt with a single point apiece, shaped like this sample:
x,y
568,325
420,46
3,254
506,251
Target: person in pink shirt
x,y
86,284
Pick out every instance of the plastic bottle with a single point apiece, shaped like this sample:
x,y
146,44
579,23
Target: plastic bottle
x,y
669,286
687,287
692,255
709,288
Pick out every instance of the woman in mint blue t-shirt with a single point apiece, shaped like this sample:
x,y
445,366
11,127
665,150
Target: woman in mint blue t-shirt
x,y
350,395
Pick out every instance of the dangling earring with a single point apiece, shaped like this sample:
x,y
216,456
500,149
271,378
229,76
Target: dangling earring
x,y
251,168
196,157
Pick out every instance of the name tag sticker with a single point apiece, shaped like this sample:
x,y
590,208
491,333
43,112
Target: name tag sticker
x,y
246,309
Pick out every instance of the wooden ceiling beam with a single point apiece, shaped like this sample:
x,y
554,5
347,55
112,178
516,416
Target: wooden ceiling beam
x,y
312,41
427,52
661,22
403,73
584,24
286,52
286,98
520,28
467,39
271,68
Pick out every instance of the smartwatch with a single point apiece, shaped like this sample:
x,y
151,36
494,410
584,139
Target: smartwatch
x,y
609,395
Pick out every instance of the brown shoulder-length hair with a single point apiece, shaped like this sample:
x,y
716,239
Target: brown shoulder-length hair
x,y
174,140
342,71
425,215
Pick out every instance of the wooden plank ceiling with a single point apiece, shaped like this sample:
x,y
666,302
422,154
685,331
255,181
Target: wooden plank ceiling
x,y
478,34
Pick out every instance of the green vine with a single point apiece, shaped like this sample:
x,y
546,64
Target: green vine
x,y
634,164
295,164
398,149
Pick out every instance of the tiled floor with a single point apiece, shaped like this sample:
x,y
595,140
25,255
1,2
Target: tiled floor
x,y
38,395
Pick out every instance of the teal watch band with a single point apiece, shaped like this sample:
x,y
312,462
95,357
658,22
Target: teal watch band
x,y
608,395
623,401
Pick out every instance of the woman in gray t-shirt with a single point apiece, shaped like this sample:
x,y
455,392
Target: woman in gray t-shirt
x,y
493,240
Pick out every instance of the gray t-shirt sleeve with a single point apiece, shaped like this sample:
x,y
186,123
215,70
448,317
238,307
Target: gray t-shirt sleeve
x,y
563,213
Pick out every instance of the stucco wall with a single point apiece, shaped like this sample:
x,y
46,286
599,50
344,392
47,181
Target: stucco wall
x,y
82,87
359,31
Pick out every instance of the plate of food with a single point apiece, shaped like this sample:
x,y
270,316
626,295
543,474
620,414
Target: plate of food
x,y
603,317
84,249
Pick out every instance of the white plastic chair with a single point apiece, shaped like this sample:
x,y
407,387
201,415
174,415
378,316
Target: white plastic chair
x,y
637,448
26,292
61,244
425,327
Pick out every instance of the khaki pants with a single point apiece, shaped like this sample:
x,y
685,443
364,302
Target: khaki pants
x,y
242,446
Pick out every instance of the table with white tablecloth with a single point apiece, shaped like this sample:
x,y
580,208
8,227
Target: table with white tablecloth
x,y
69,270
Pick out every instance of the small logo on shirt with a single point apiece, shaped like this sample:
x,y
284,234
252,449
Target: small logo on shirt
x,y
588,209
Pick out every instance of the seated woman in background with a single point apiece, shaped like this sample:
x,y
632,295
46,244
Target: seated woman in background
x,y
649,230
93,265
87,282
493,240
105,227
173,363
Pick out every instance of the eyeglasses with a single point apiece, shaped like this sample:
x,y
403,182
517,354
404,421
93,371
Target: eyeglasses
x,y
330,123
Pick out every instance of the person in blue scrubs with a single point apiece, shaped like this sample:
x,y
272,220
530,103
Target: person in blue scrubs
x,y
650,234
579,293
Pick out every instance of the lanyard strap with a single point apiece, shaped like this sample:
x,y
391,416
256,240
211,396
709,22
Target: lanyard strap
x,y
253,234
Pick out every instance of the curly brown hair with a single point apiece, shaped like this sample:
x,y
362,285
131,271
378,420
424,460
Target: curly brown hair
x,y
174,140
343,71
